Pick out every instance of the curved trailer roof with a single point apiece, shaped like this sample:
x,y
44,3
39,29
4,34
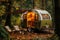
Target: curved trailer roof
x,y
42,12
39,13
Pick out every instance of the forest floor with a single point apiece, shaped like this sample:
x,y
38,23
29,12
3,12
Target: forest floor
x,y
30,35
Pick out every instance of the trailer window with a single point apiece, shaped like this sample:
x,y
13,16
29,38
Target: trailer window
x,y
45,16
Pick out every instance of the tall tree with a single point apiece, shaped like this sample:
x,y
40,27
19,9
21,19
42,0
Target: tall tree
x,y
8,13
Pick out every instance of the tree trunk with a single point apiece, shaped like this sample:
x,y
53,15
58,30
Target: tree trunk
x,y
8,13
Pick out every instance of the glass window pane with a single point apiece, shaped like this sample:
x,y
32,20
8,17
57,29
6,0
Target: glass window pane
x,y
45,16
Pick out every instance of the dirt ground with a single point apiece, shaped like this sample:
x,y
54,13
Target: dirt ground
x,y
30,35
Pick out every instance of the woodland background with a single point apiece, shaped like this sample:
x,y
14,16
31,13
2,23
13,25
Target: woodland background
x,y
8,8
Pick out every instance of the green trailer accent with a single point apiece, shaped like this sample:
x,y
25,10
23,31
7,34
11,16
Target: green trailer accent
x,y
46,22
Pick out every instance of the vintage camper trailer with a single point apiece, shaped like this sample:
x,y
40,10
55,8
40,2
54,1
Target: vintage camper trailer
x,y
35,18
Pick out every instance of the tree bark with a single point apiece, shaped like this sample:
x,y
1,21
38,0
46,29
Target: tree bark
x,y
8,13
